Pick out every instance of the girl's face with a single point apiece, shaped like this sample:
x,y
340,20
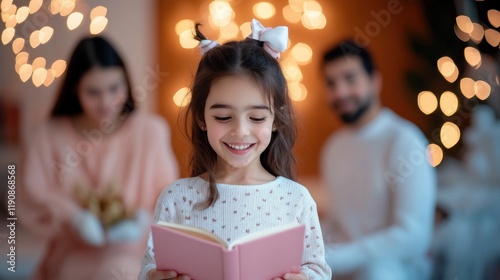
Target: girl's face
x,y
239,122
102,93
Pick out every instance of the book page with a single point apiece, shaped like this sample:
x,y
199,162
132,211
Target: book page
x,y
262,233
194,231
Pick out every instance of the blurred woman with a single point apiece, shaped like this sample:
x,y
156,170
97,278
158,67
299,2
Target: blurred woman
x,y
92,173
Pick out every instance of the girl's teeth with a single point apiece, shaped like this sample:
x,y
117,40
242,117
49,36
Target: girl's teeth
x,y
239,147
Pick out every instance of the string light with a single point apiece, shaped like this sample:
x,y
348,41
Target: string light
x,y
13,17
263,10
450,134
448,102
435,154
182,97
427,102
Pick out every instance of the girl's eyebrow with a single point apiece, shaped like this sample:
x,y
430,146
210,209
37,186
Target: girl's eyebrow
x,y
250,107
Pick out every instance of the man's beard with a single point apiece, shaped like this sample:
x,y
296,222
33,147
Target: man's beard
x,y
350,118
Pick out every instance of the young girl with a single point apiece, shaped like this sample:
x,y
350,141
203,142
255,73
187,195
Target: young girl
x,y
242,132
95,142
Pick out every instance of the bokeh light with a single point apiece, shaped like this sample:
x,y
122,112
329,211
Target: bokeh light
x,y
448,102
467,87
450,134
435,153
482,89
182,97
427,102
264,10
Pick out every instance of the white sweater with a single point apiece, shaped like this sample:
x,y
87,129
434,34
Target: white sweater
x,y
243,209
382,193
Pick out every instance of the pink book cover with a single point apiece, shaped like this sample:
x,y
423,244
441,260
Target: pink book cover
x,y
203,256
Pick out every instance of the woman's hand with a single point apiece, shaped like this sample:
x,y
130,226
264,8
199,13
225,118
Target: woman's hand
x,y
154,274
292,276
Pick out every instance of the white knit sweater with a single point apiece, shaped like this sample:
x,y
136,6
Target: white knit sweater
x,y
243,209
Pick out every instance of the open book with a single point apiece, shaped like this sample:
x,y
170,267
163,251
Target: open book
x,y
204,256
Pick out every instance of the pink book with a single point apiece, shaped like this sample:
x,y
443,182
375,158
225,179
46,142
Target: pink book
x,y
204,256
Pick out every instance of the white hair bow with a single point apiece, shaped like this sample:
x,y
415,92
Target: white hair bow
x,y
275,39
207,45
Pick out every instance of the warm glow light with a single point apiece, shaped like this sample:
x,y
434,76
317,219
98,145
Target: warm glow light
x,y
465,24
22,57
313,20
446,66
312,6
482,89
11,11
297,5
187,41
45,34
467,87
450,134
182,97
99,11
478,33
492,37
453,77
229,31
67,7
22,14
5,5
302,53
35,39
246,29
264,10
11,22
55,6
58,67
74,20
494,18
221,13
39,76
39,62
25,72
427,102
292,71
460,34
50,78
472,56
35,5
297,91
436,154
7,35
183,25
291,15
448,102
98,24
17,45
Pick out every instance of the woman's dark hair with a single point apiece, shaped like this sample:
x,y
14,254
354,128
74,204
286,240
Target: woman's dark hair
x,y
89,53
248,58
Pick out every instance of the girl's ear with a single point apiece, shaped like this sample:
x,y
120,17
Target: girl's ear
x,y
274,127
202,125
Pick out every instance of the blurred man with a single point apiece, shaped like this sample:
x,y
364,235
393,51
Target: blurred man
x,y
381,187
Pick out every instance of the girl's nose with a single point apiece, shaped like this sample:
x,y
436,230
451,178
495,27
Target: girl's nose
x,y
240,128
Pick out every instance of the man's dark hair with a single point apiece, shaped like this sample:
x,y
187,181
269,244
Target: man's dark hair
x,y
348,49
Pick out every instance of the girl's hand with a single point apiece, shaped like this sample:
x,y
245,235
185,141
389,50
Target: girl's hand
x,y
154,274
292,276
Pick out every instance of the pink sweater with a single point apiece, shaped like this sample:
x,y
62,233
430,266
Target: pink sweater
x,y
137,158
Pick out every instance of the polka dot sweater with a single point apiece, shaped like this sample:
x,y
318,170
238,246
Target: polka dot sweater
x,y
242,210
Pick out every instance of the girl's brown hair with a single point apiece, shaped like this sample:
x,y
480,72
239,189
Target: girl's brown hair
x,y
246,57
